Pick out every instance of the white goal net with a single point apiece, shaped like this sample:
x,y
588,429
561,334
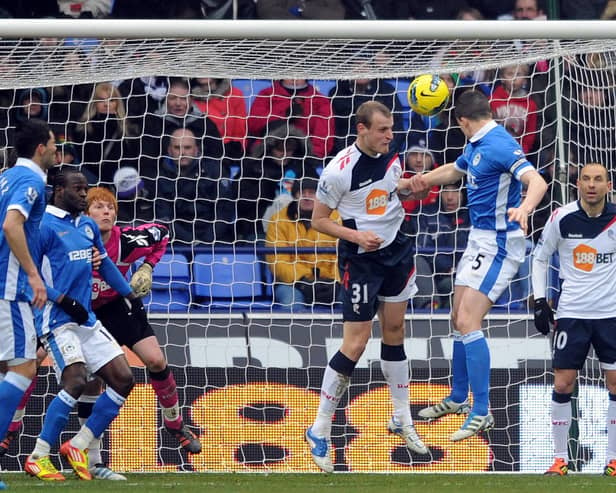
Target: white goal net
x,y
206,127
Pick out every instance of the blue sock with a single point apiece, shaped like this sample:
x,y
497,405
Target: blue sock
x,y
478,367
105,409
12,389
459,374
57,416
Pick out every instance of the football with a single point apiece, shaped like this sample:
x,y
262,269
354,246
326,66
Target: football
x,y
428,94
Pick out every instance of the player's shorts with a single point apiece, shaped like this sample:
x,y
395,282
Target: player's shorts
x,y
116,318
386,275
72,343
573,338
17,333
490,261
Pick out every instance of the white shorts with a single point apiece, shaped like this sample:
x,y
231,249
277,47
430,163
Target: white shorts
x,y
490,261
17,333
72,343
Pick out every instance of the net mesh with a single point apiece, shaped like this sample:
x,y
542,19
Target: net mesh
x,y
249,365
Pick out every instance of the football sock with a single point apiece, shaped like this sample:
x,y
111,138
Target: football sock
x,y
56,417
335,383
84,411
21,407
459,374
12,389
478,367
105,409
165,387
611,429
395,368
561,419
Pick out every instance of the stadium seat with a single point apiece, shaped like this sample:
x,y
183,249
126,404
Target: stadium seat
x,y
323,86
250,88
232,281
171,284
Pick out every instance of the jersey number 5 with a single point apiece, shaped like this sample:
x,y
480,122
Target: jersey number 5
x,y
477,261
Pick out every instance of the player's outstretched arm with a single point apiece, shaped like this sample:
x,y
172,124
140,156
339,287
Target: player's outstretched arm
x,y
536,188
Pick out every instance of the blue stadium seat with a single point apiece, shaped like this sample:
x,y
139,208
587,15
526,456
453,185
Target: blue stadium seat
x,y
232,281
171,284
250,88
323,86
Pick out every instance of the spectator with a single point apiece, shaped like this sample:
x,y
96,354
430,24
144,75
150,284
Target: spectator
x,y
513,106
525,10
418,160
407,9
143,95
301,279
178,111
225,106
193,196
294,9
296,102
348,95
268,174
444,229
108,138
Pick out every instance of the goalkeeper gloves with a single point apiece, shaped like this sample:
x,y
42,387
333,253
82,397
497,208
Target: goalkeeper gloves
x,y
137,310
74,309
544,316
141,282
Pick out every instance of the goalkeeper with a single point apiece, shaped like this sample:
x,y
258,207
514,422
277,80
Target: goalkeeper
x,y
582,232
124,246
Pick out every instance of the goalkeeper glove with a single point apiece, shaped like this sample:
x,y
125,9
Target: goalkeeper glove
x,y
544,316
141,282
74,309
137,310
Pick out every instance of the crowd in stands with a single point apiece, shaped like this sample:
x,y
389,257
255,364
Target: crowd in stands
x,y
221,167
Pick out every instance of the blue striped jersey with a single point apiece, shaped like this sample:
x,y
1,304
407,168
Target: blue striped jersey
x,y
493,162
22,188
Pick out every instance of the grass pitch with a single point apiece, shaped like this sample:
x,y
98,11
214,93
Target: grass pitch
x,y
322,483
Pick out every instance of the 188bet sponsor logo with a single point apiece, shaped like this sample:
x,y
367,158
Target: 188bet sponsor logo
x,y
586,257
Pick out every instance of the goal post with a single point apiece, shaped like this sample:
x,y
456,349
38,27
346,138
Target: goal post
x,y
248,369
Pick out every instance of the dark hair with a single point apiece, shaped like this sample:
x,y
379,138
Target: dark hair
x,y
369,108
473,105
28,135
60,179
304,184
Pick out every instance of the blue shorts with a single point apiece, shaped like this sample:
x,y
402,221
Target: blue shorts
x,y
573,338
17,331
386,275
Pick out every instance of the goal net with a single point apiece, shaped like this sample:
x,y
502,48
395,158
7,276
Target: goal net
x,y
206,127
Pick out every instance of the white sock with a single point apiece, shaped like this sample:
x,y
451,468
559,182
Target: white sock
x,y
561,420
94,449
611,431
332,389
41,449
83,438
397,376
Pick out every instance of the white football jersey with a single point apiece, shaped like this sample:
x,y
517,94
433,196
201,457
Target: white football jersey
x,y
587,251
364,191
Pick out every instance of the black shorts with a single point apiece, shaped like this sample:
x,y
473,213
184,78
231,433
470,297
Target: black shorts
x,y
368,276
573,338
123,327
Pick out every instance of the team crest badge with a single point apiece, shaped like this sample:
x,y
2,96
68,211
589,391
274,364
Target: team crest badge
x,y
476,159
89,233
31,195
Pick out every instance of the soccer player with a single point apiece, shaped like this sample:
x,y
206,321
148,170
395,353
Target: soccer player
x,y
22,203
377,271
124,246
66,241
495,168
582,232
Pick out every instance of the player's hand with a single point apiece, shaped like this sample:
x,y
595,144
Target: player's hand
x,y
39,292
137,310
141,282
368,240
96,258
418,186
518,215
544,316
74,309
